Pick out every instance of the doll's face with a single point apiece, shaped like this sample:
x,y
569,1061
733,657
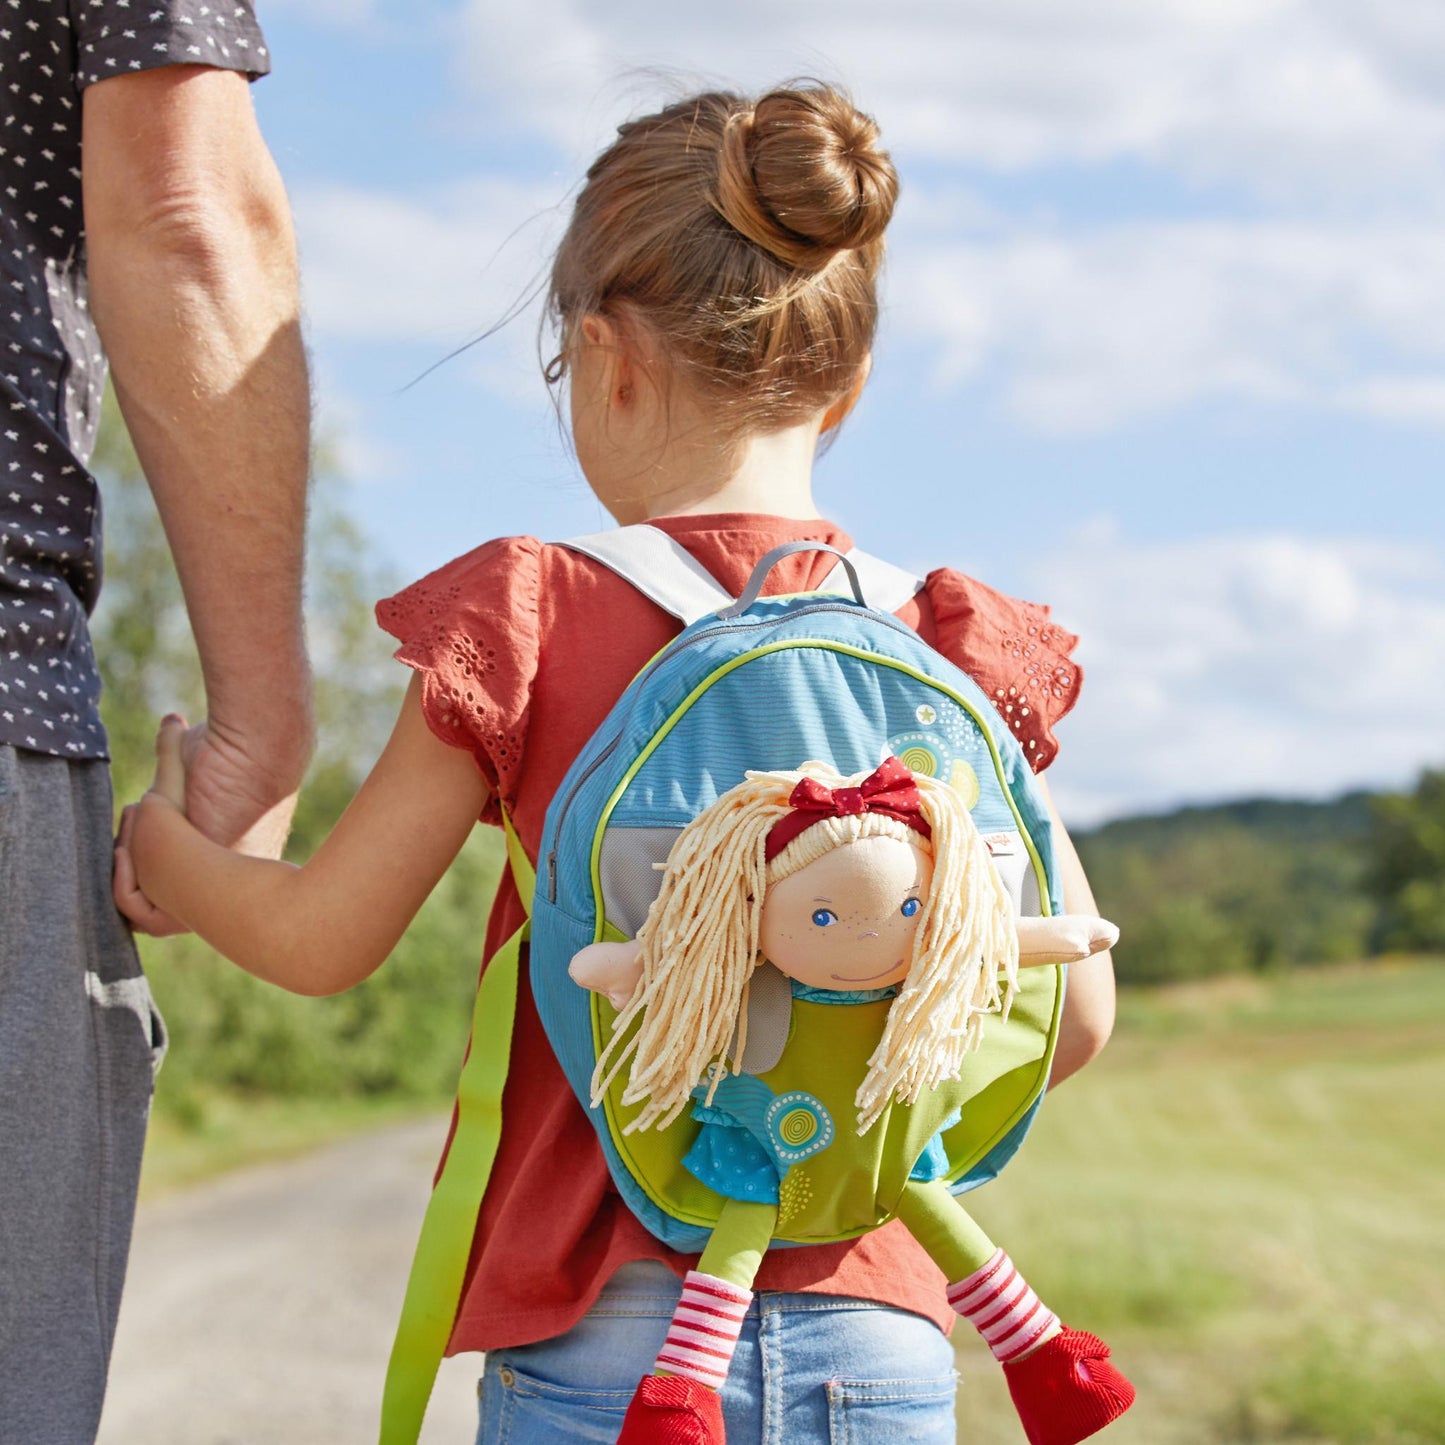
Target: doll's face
x,y
847,920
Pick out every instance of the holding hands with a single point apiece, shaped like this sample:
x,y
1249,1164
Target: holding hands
x,y
229,795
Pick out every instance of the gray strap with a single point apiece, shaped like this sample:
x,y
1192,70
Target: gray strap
x,y
872,582
769,560
664,571
770,1019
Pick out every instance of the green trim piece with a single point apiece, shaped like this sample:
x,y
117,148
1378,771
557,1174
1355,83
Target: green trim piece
x,y
1038,987
434,1289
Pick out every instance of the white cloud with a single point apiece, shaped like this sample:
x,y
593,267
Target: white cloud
x,y
347,15
441,267
1294,99
1082,332
1240,666
1416,400
1085,332
1077,328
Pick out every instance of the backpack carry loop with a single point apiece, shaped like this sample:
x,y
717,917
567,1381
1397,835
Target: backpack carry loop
x,y
769,560
434,1289
667,574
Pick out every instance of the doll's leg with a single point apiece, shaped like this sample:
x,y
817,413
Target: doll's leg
x,y
1062,1383
716,1295
984,1287
678,1403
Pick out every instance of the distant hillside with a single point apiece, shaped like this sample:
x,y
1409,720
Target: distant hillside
x,y
1237,887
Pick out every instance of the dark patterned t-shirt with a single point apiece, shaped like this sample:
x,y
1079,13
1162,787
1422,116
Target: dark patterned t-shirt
x,y
51,366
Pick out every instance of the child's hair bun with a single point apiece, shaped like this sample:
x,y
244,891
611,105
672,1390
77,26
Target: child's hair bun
x,y
801,175
744,238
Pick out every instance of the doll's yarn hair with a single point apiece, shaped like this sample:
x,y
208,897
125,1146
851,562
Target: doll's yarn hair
x,y
699,947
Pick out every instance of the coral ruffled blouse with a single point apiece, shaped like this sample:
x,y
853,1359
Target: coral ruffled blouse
x,y
522,649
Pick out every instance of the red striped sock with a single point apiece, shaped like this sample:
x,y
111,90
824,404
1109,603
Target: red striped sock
x,y
704,1330
997,1301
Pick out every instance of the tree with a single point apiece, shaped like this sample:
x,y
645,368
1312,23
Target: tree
x,y
403,1031
1407,874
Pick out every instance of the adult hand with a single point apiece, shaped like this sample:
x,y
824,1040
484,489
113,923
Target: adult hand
x,y
240,796
239,793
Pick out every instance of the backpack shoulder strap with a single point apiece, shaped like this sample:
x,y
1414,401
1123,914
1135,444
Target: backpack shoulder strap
x,y
668,574
434,1289
885,586
663,570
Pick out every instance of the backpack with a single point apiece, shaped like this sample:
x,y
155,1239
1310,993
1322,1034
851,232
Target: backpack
x,y
750,683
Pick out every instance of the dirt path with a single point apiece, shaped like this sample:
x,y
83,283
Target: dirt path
x,y
259,1309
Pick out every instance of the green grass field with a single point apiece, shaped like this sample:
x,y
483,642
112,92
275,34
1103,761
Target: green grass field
x,y
1245,1196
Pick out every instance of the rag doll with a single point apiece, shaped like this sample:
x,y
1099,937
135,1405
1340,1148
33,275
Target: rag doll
x,y
873,903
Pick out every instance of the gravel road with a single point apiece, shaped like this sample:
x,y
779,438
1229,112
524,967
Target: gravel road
x,y
259,1308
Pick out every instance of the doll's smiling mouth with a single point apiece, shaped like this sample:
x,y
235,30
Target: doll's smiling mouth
x,y
867,977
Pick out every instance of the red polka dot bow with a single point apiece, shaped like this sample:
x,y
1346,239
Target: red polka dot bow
x,y
890,789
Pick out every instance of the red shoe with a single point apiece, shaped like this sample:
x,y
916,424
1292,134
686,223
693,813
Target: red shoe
x,y
1067,1389
672,1410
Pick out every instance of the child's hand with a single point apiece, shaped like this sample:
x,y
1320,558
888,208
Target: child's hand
x,y
167,790
169,782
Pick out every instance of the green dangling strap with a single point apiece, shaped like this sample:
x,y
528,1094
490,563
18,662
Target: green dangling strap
x,y
434,1289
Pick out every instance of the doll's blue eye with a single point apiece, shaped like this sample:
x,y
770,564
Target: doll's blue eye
x,y
824,916
910,907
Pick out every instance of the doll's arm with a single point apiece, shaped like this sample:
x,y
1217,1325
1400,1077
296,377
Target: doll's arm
x,y
1065,938
610,968
320,928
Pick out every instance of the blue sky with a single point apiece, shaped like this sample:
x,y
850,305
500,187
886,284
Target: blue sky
x,y
1163,342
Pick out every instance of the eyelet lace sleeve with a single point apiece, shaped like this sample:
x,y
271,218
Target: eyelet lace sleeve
x,y
1014,651
470,630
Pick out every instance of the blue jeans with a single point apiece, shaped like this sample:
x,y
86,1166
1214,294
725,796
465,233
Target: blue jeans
x,y
809,1370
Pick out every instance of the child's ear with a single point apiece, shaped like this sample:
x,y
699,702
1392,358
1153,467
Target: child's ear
x,y
598,331
617,351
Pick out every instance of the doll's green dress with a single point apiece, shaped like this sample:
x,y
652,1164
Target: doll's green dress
x,y
789,1136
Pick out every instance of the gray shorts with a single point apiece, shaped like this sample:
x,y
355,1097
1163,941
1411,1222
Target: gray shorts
x,y
79,1043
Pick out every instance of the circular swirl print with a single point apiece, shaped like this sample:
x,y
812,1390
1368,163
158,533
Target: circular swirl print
x,y
928,755
798,1126
921,754
964,781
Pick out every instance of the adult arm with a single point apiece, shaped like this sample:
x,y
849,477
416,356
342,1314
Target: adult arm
x,y
325,926
1089,998
193,287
